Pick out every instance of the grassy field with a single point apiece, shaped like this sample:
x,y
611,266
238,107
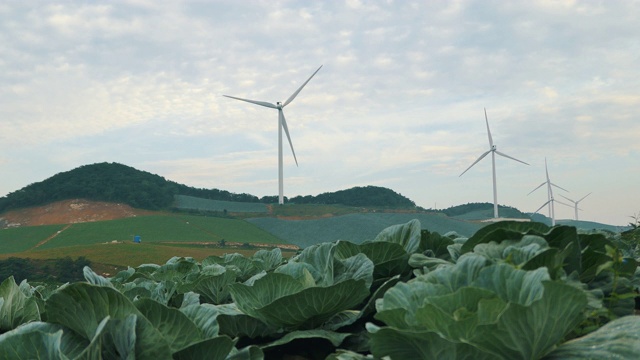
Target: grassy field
x,y
162,228
24,238
94,240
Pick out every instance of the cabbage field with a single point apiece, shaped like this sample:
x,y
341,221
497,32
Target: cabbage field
x,y
510,291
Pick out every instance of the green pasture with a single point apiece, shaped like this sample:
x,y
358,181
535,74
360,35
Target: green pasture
x,y
19,239
162,228
233,230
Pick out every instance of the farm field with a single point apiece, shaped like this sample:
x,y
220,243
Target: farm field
x,y
355,227
20,239
127,253
183,235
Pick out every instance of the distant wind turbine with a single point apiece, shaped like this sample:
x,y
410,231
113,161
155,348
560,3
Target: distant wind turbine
x,y
282,124
550,200
575,203
493,150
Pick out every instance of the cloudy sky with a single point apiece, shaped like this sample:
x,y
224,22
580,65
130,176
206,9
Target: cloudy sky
x,y
398,102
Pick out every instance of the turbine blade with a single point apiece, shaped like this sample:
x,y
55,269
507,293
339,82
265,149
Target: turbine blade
x,y
561,188
475,162
583,198
486,119
573,201
286,131
539,186
546,170
543,205
509,157
293,96
565,204
262,103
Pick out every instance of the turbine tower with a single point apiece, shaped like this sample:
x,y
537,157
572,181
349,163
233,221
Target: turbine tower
x,y
550,199
282,124
493,150
575,203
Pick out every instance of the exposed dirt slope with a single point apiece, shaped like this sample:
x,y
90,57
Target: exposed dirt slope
x,y
69,212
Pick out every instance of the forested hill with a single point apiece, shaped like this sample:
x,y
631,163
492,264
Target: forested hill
x,y
505,211
114,182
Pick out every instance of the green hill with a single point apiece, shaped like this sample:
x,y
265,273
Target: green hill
x,y
113,182
482,211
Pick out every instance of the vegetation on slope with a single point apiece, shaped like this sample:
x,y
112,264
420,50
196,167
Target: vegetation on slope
x,y
358,196
113,182
482,208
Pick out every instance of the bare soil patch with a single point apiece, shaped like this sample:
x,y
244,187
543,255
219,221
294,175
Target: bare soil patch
x,y
70,212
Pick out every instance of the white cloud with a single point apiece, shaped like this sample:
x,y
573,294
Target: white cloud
x,y
398,101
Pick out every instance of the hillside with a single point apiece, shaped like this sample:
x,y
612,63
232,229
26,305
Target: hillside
x,y
482,211
118,183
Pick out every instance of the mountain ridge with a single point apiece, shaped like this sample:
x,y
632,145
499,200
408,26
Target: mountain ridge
x,y
119,183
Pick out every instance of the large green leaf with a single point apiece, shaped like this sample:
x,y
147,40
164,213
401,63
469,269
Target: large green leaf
x,y
176,269
217,348
242,266
250,352
95,279
204,317
214,289
31,345
280,300
235,323
435,244
530,332
333,337
456,316
513,285
176,328
265,260
119,338
81,307
503,230
389,259
407,235
617,340
16,308
416,344
71,344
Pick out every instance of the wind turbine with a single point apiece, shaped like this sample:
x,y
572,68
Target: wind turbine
x,y
575,203
493,150
282,124
550,200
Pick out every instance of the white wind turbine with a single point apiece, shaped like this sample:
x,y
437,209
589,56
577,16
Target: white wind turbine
x,y
550,200
493,150
282,124
575,203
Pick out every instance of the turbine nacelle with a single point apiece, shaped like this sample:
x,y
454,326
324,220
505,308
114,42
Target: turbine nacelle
x,y
279,105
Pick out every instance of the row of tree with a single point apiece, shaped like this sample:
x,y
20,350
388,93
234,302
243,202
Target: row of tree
x,y
58,270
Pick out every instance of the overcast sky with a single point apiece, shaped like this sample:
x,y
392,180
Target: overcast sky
x,y
398,102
